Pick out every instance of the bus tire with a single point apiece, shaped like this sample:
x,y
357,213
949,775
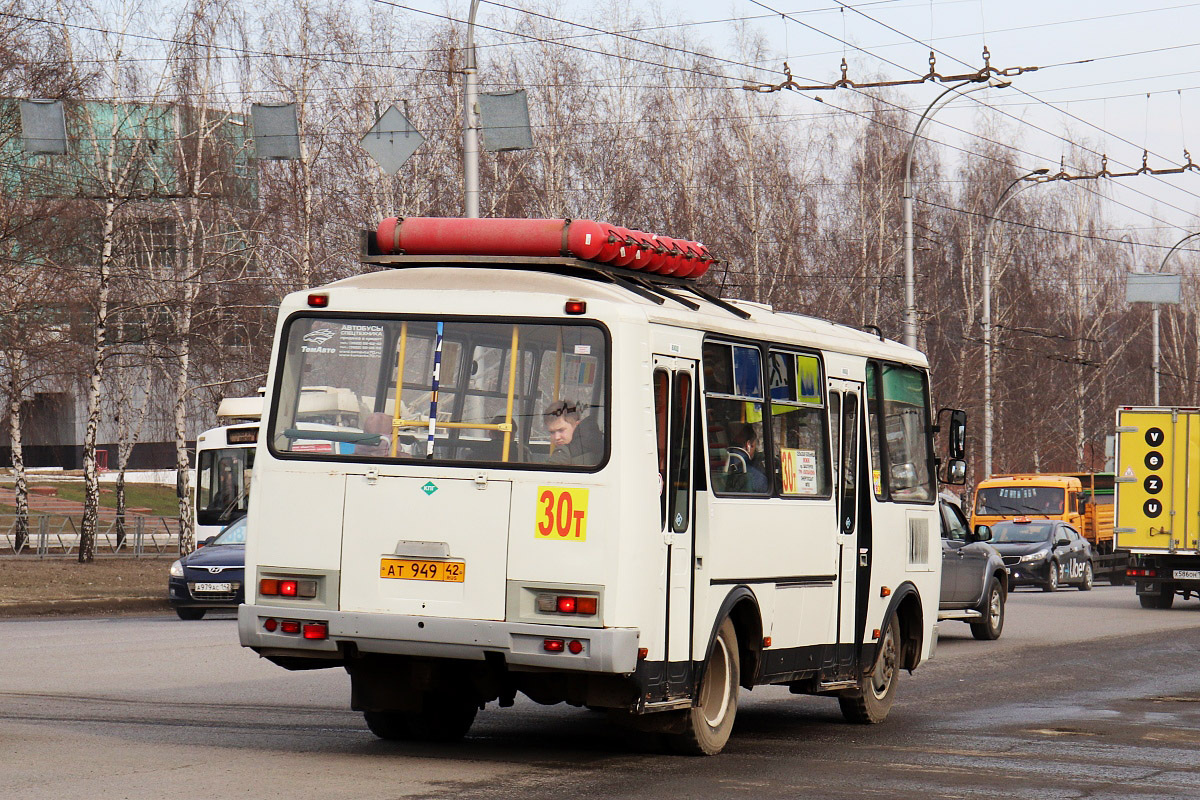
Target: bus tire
x,y
872,700
391,726
442,719
708,723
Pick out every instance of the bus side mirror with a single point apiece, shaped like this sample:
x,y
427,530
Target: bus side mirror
x,y
956,472
957,444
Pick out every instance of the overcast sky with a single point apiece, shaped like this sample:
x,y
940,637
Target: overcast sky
x,y
1136,90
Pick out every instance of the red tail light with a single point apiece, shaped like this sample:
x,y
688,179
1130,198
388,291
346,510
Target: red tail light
x,y
552,645
318,300
287,588
1139,572
289,626
316,630
566,604
270,625
575,646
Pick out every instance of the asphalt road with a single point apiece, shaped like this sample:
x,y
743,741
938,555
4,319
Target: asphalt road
x,y
1084,695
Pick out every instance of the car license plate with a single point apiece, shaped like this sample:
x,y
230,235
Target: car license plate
x,y
214,587
412,570
1187,574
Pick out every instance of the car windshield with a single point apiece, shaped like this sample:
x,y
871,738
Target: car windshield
x,y
234,534
1013,500
1021,532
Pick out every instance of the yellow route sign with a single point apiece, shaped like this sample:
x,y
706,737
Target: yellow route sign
x,y
1158,479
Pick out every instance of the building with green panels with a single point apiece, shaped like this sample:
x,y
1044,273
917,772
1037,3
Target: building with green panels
x,y
161,163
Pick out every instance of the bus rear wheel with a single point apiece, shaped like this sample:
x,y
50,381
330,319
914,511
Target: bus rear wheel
x,y
872,700
443,719
709,722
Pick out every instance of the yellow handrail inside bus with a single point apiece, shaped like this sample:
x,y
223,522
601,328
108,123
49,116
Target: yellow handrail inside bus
x,y
399,407
557,375
512,387
558,367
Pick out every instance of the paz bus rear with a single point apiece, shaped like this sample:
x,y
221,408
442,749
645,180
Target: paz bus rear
x,y
537,473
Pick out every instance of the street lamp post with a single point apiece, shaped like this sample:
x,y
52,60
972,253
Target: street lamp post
x,y
988,416
1154,313
910,303
470,124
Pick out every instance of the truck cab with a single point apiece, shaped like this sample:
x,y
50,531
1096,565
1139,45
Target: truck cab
x,y
1004,497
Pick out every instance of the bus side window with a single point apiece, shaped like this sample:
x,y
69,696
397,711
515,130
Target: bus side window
x,y
661,387
734,409
798,425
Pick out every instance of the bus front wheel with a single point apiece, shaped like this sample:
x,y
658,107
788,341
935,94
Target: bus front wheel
x,y
709,721
872,700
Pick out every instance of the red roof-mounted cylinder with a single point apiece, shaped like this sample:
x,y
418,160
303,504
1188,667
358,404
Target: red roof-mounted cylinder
x,y
642,257
625,251
586,239
671,262
582,238
464,236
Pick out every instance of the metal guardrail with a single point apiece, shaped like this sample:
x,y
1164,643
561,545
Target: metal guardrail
x,y
57,535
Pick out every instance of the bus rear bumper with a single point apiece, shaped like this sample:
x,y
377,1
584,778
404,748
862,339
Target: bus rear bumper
x,y
603,650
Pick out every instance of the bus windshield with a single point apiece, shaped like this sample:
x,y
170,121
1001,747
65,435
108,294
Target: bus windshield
x,y
463,396
1007,501
223,484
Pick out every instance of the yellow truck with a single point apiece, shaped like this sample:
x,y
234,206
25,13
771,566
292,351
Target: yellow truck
x,y
1158,500
1082,500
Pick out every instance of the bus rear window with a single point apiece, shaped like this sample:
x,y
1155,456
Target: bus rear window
x,y
495,392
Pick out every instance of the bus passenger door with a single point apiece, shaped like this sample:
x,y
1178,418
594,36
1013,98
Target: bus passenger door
x,y
674,407
845,420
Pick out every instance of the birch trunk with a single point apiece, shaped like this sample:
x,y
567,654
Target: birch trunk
x,y
20,484
91,499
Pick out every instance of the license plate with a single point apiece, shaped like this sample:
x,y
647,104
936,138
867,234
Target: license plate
x,y
412,570
214,587
1187,575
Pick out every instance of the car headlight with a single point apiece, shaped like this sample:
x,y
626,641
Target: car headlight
x,y
177,568
1038,556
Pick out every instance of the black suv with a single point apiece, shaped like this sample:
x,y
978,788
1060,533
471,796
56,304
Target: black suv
x,y
974,578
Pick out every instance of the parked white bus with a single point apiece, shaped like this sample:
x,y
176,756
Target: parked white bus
x,y
598,487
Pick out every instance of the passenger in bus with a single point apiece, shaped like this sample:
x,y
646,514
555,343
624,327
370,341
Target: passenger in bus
x,y
743,474
575,440
378,423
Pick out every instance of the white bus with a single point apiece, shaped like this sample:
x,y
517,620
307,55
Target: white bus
x,y
598,487
225,465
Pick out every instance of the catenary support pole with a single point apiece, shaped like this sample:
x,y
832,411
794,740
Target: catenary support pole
x,y
470,123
